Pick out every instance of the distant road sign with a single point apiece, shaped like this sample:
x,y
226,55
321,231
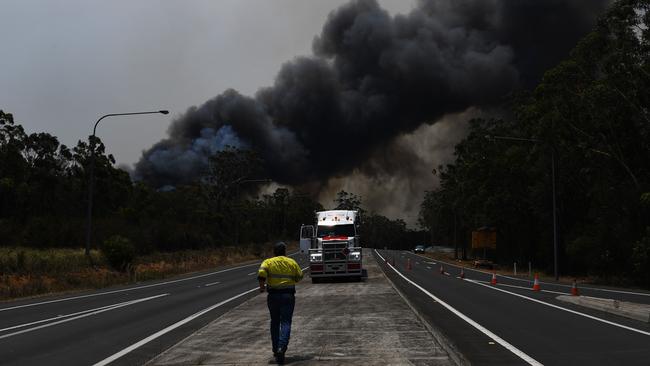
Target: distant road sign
x,y
484,238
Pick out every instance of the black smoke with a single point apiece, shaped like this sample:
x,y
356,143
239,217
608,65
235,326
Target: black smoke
x,y
373,77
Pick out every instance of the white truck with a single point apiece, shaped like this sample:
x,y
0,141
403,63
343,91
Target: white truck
x,y
333,245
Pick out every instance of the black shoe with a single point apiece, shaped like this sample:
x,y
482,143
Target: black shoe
x,y
279,355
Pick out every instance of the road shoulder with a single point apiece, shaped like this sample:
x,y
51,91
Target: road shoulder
x,y
352,323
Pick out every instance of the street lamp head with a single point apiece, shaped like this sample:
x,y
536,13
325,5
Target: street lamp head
x,y
163,112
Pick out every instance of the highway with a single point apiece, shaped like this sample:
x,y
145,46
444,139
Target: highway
x,y
126,325
509,324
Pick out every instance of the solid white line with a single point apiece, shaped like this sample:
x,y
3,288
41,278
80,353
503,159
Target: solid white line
x,y
211,283
161,332
116,306
543,282
496,338
565,309
133,288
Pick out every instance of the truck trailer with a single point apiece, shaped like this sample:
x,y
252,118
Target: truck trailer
x,y
332,245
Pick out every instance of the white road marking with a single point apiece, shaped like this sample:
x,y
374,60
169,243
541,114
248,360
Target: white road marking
x,y
132,288
86,314
561,308
252,273
581,287
60,316
428,267
525,288
211,284
496,338
545,283
161,332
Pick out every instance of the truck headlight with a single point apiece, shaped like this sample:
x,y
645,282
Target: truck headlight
x,y
354,256
317,257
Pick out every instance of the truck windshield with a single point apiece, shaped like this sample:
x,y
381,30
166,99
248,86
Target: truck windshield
x,y
337,230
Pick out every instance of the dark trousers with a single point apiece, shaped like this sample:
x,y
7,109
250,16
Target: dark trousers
x,y
281,309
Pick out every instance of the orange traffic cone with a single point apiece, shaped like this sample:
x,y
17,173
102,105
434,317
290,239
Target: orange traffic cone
x,y
442,270
494,278
536,283
408,264
574,289
462,273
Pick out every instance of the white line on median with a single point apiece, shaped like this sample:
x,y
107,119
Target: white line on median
x,y
87,313
561,308
132,288
150,338
543,282
496,338
525,288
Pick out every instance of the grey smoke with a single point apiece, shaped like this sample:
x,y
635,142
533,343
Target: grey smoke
x,y
372,78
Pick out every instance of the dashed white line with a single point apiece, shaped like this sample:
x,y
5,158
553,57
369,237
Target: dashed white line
x,y
211,284
476,325
252,273
161,332
132,288
70,317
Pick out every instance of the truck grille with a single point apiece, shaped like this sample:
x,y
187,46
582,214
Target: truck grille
x,y
333,251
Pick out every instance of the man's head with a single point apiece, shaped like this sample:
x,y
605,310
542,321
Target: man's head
x,y
279,249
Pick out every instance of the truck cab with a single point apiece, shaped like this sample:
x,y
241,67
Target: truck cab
x,y
333,245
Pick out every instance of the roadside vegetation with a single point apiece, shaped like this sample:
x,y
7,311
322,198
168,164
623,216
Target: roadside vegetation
x,y
32,272
592,112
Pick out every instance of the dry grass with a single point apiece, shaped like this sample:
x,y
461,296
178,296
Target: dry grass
x,y
30,272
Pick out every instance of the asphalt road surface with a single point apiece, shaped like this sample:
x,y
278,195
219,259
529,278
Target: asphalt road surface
x,y
509,324
122,325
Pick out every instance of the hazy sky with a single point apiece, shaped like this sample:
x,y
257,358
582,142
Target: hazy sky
x,y
65,63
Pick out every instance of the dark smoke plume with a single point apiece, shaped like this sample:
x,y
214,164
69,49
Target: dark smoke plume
x,y
372,78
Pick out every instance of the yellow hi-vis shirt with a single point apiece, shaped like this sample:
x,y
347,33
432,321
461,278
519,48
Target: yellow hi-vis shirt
x,y
281,273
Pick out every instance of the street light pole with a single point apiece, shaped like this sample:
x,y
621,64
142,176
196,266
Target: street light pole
x,y
91,172
553,157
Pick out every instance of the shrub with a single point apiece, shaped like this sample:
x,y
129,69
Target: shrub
x,y
119,252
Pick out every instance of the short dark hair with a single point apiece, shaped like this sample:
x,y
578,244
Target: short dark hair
x,y
279,248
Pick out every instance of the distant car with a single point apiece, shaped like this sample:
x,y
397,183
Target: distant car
x,y
419,249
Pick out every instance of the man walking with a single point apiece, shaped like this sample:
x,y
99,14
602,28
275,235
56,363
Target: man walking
x,y
280,274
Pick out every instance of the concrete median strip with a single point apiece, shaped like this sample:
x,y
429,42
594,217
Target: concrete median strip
x,y
351,323
630,310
